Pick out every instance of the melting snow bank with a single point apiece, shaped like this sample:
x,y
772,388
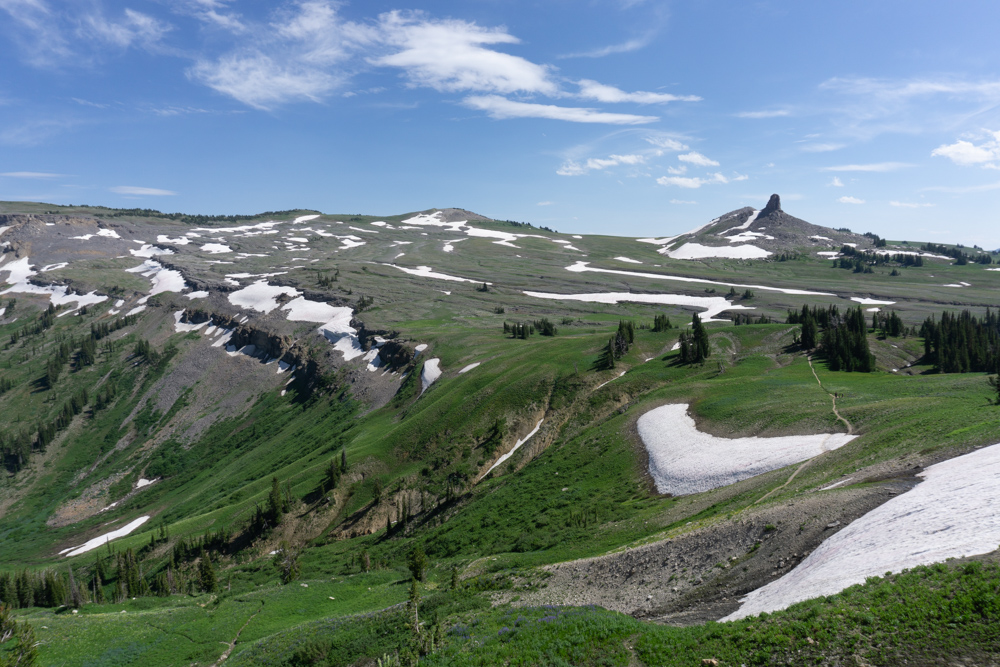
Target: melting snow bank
x,y
864,301
163,279
713,305
20,272
684,460
428,272
699,251
583,267
104,539
430,373
469,367
954,512
516,446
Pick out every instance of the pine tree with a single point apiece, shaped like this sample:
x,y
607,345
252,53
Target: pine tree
x,y
206,573
699,340
417,563
343,460
275,503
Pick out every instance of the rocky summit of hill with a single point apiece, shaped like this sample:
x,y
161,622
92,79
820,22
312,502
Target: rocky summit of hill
x,y
773,230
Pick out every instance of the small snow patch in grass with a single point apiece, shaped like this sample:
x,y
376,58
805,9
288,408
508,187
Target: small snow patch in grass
x,y
104,539
469,367
200,294
304,218
517,445
143,482
180,240
865,301
428,272
430,373
216,248
629,261
150,251
684,460
711,305
836,484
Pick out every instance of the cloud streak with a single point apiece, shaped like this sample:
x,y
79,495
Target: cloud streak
x,y
878,167
502,108
140,191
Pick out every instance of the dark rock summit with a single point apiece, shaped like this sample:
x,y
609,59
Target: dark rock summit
x,y
773,204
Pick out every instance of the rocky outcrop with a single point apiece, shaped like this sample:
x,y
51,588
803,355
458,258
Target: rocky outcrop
x,y
773,205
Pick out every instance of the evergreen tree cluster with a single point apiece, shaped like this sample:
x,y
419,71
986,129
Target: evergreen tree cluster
x,y
960,256
545,327
747,318
327,280
888,324
661,323
860,260
518,330
845,345
193,219
16,449
46,588
694,347
962,343
877,240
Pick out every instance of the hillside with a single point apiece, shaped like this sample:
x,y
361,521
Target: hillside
x,y
304,399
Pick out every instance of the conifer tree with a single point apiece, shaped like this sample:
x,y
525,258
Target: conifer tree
x,y
206,573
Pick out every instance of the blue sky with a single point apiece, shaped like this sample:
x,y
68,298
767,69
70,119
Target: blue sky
x,y
630,117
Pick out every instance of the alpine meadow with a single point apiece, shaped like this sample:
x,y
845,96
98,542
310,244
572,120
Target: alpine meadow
x,y
507,411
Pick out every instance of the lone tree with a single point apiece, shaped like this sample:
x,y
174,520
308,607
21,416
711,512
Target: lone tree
x,y
417,562
287,562
995,383
206,573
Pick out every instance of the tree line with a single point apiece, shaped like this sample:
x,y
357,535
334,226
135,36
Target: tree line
x,y
962,343
842,339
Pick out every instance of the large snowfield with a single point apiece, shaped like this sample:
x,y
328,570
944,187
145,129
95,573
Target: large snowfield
x,y
684,460
953,512
711,305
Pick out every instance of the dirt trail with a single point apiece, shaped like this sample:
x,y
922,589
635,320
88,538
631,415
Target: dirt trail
x,y
833,397
232,644
850,431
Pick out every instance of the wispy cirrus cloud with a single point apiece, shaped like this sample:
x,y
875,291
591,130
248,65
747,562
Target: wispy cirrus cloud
x,y
696,182
39,175
604,93
623,47
851,200
822,148
697,159
140,191
573,168
877,167
502,108
903,204
770,113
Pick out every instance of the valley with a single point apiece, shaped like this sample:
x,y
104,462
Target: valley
x,y
304,438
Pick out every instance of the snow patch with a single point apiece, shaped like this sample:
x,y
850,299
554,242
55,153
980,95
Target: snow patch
x,y
517,445
711,305
684,460
200,294
430,373
260,296
865,301
699,251
469,367
162,278
582,267
428,272
952,513
627,260
104,539
216,248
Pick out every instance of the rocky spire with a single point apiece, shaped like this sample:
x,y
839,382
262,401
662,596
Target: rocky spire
x,y
773,204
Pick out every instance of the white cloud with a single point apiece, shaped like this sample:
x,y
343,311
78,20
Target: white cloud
x,y
822,148
449,55
877,167
899,90
134,27
625,47
545,203
213,12
776,113
964,189
30,174
851,200
677,171
836,182
604,93
666,143
694,182
697,159
966,153
573,168
501,108
134,190
39,32
293,58
903,204
682,201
